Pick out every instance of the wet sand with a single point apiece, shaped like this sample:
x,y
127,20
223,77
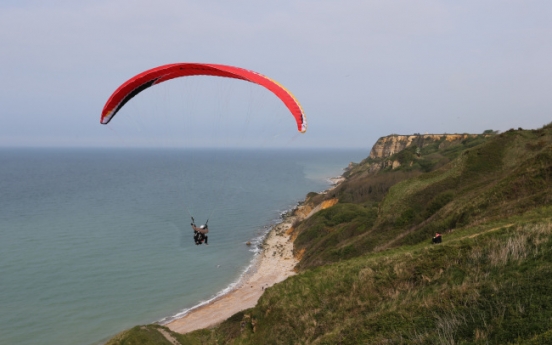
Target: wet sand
x,y
276,263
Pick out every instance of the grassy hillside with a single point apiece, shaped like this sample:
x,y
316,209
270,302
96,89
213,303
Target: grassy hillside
x,y
369,273
488,285
501,176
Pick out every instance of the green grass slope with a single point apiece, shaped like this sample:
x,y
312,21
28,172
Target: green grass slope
x,y
492,285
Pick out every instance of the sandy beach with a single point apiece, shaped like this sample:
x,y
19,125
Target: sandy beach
x,y
276,263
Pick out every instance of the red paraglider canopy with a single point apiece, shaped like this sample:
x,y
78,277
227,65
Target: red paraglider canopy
x,y
157,75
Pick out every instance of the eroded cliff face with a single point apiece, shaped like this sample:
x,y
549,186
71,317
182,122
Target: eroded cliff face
x,y
391,144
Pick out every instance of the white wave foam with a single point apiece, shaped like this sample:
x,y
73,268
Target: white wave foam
x,y
250,269
256,248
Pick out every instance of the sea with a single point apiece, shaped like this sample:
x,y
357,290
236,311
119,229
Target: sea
x,y
96,241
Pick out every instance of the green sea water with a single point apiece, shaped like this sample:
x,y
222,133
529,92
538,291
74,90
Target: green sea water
x,y
95,241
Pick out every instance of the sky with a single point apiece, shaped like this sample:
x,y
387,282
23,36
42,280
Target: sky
x,y
360,69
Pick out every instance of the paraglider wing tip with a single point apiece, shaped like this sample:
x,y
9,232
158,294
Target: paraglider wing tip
x,y
104,120
303,124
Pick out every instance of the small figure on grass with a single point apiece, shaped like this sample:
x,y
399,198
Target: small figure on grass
x,y
437,239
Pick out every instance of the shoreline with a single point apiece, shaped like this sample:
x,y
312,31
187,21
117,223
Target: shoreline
x,y
274,264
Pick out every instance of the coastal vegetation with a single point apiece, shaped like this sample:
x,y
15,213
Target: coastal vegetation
x,y
369,273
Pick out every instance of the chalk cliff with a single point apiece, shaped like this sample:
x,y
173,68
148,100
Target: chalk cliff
x,y
384,152
391,144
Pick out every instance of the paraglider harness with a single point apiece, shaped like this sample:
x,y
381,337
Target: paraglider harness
x,y
199,236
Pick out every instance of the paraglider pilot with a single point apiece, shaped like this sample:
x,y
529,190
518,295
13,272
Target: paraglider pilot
x,y
200,234
437,238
